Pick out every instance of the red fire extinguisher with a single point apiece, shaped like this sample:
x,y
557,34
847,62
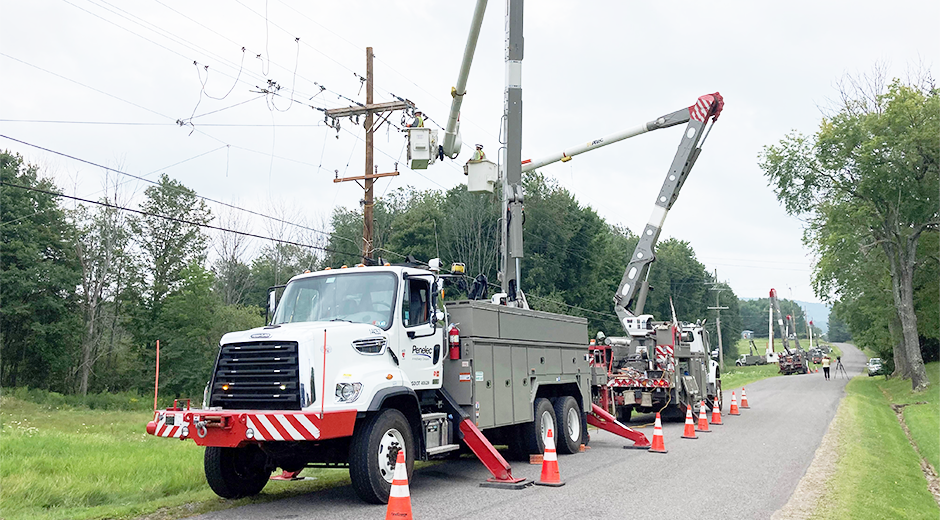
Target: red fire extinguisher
x,y
453,339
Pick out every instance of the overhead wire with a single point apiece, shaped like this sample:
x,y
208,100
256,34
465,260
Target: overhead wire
x,y
174,219
207,199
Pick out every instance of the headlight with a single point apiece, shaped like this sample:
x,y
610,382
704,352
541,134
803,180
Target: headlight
x,y
348,392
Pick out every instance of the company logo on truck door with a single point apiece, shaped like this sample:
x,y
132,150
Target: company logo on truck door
x,y
421,351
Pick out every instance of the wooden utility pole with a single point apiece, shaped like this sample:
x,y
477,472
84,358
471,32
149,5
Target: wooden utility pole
x,y
718,308
369,110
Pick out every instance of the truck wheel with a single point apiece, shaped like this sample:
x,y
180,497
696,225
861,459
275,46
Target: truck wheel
x,y
373,452
236,472
568,419
531,436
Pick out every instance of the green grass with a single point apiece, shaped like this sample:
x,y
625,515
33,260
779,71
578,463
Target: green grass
x,y
878,473
77,463
922,419
742,376
733,377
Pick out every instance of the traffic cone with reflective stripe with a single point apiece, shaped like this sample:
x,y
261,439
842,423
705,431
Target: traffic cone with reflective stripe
x,y
702,420
689,432
399,499
658,445
744,398
716,412
734,405
550,476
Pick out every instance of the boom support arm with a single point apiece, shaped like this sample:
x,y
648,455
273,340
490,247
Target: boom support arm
x,y
633,285
783,329
451,132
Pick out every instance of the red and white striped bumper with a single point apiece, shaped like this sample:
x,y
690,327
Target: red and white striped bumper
x,y
232,428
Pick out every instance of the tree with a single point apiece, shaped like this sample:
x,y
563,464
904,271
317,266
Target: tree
x,y
170,235
867,180
101,245
39,319
838,330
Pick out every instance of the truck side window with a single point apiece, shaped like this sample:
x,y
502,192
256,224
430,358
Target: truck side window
x,y
415,308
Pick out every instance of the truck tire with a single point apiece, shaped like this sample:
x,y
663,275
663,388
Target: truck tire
x,y
374,451
236,472
531,435
569,420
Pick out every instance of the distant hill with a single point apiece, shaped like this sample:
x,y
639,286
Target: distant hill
x,y
817,312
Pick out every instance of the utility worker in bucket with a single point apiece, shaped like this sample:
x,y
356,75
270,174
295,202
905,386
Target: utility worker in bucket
x,y
418,120
478,155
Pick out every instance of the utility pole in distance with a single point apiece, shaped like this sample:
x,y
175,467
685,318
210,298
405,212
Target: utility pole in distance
x,y
384,110
718,308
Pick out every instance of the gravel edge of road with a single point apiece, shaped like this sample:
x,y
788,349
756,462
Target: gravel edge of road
x,y
805,500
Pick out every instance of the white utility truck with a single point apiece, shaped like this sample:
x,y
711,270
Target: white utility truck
x,y
359,363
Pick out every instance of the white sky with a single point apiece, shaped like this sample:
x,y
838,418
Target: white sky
x,y
590,69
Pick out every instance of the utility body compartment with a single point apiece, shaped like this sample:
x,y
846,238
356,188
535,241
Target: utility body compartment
x,y
508,354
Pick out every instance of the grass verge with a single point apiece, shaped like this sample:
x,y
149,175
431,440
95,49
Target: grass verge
x,y
878,473
76,463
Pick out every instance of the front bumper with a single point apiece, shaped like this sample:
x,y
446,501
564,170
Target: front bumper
x,y
233,428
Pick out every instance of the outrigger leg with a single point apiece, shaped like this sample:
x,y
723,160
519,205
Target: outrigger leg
x,y
482,448
603,420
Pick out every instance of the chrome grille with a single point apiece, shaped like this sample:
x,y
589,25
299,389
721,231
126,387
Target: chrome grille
x,y
259,375
370,345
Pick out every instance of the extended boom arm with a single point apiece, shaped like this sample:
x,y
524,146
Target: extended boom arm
x,y
783,329
634,284
452,140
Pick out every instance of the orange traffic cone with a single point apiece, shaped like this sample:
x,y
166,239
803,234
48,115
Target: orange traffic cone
x,y
550,476
689,432
658,445
716,412
734,405
399,499
702,420
744,398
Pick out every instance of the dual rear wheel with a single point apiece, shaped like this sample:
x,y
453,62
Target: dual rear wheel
x,y
563,416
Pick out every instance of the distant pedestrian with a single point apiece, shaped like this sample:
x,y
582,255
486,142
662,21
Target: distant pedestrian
x,y
825,364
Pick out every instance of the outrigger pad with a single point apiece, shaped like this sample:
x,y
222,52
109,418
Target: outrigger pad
x,y
516,483
637,447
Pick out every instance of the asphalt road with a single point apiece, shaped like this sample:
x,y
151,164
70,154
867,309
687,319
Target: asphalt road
x,y
746,468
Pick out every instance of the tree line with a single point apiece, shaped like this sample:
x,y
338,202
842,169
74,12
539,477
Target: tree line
x,y
88,289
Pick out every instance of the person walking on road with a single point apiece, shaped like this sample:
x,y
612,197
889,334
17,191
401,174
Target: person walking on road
x,y
825,364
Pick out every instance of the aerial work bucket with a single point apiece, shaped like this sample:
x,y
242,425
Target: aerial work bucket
x,y
481,176
422,147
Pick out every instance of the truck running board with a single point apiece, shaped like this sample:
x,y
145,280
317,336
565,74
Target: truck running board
x,y
603,420
481,447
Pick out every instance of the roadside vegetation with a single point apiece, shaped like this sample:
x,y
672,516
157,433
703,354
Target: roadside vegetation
x,y
878,472
62,461
733,376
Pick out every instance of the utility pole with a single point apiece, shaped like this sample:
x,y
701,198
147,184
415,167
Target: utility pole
x,y
718,308
369,110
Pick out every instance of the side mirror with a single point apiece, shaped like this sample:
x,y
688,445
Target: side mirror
x,y
272,302
439,316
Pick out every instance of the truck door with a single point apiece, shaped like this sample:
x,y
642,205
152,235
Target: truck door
x,y
421,347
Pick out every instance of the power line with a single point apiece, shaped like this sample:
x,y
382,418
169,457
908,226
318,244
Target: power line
x,y
231,206
167,217
142,123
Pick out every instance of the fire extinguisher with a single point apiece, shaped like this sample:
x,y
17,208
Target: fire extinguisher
x,y
453,339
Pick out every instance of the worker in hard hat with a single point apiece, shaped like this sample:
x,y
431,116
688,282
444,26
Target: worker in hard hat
x,y
478,155
418,120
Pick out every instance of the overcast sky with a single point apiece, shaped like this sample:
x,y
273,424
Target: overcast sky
x,y
590,69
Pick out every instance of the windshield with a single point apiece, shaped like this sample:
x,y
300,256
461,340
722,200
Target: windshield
x,y
354,297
